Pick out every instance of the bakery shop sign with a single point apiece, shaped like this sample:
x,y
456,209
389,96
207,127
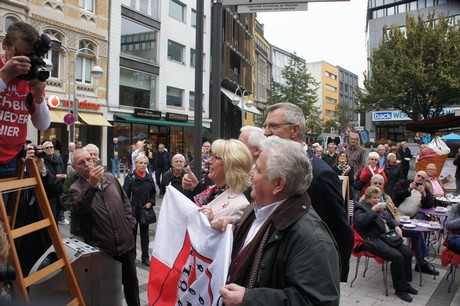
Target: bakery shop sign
x,y
84,105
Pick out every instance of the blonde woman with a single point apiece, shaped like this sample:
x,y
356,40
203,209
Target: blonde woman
x,y
229,164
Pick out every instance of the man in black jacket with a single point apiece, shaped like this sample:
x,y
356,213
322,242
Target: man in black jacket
x,y
161,164
287,121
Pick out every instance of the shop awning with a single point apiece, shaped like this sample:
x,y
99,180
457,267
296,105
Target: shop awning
x,y
436,124
155,122
93,119
57,116
230,95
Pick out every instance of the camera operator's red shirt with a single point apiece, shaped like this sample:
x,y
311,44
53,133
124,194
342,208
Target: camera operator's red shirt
x,y
14,115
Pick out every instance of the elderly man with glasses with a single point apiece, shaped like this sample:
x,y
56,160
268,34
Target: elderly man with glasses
x,y
410,195
433,183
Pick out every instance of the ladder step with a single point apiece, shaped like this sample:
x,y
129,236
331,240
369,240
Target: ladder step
x,y
32,279
18,184
30,228
74,302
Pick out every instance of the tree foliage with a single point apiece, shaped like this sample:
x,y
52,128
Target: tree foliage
x,y
417,70
300,89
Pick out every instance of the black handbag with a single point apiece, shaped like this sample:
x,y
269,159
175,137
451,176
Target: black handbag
x,y
392,238
147,215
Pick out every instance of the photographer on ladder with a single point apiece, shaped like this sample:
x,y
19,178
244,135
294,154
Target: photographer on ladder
x,y
22,88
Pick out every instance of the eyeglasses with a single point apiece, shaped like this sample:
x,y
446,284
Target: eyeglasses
x,y
214,156
421,176
274,126
46,148
373,159
377,183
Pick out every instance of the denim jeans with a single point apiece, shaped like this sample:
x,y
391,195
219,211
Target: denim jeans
x,y
116,166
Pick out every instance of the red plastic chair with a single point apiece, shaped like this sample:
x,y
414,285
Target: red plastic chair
x,y
361,253
452,259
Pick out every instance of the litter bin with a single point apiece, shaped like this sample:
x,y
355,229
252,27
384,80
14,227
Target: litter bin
x,y
98,276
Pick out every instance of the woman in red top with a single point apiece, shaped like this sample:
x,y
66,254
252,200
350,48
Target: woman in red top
x,y
371,169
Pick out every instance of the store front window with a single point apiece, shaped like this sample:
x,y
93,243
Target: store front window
x,y
137,89
175,138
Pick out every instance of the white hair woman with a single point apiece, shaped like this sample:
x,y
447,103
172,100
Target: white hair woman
x,y
229,164
369,171
140,188
393,172
174,175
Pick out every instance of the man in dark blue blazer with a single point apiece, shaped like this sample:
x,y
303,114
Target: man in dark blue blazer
x,y
287,121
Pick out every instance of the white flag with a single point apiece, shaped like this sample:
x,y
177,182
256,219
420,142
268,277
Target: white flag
x,y
189,260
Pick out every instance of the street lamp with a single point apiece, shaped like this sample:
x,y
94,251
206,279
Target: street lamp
x,y
96,73
244,102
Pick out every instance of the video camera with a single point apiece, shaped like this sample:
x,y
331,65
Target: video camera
x,y
38,66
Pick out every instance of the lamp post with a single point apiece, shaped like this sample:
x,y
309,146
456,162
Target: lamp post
x,y
244,102
96,73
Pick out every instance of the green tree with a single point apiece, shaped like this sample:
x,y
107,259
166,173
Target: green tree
x,y
300,89
417,70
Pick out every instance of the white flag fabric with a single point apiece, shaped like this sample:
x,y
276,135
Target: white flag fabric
x,y
189,260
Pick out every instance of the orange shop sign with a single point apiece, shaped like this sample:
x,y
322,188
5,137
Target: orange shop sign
x,y
83,105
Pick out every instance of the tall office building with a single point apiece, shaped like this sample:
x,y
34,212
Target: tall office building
x,y
390,123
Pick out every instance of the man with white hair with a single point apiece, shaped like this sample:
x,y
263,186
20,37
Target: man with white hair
x,y
382,156
252,136
283,252
433,183
287,121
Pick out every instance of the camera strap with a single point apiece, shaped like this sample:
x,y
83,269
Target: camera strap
x,y
30,103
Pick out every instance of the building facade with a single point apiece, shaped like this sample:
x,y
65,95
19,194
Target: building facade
x,y
390,123
153,92
348,83
262,67
237,71
327,76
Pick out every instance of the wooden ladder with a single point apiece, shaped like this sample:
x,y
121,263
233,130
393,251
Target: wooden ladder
x,y
15,185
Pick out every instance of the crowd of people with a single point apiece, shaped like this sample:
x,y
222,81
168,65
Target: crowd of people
x,y
292,236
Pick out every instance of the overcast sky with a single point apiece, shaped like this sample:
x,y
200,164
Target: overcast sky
x,y
329,31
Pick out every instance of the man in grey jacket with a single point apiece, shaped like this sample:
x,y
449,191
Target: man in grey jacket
x,y
106,220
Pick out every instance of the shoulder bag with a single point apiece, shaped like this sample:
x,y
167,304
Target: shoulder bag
x,y
147,216
392,238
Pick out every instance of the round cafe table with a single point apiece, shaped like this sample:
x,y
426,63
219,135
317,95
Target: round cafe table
x,y
432,212
423,227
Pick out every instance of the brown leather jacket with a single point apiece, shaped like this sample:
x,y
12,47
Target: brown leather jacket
x,y
105,215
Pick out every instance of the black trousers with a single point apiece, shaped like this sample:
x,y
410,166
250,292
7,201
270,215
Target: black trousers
x,y
129,277
144,233
158,175
400,258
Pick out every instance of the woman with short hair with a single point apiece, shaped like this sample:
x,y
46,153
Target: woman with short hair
x,y
140,189
371,221
369,171
393,172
